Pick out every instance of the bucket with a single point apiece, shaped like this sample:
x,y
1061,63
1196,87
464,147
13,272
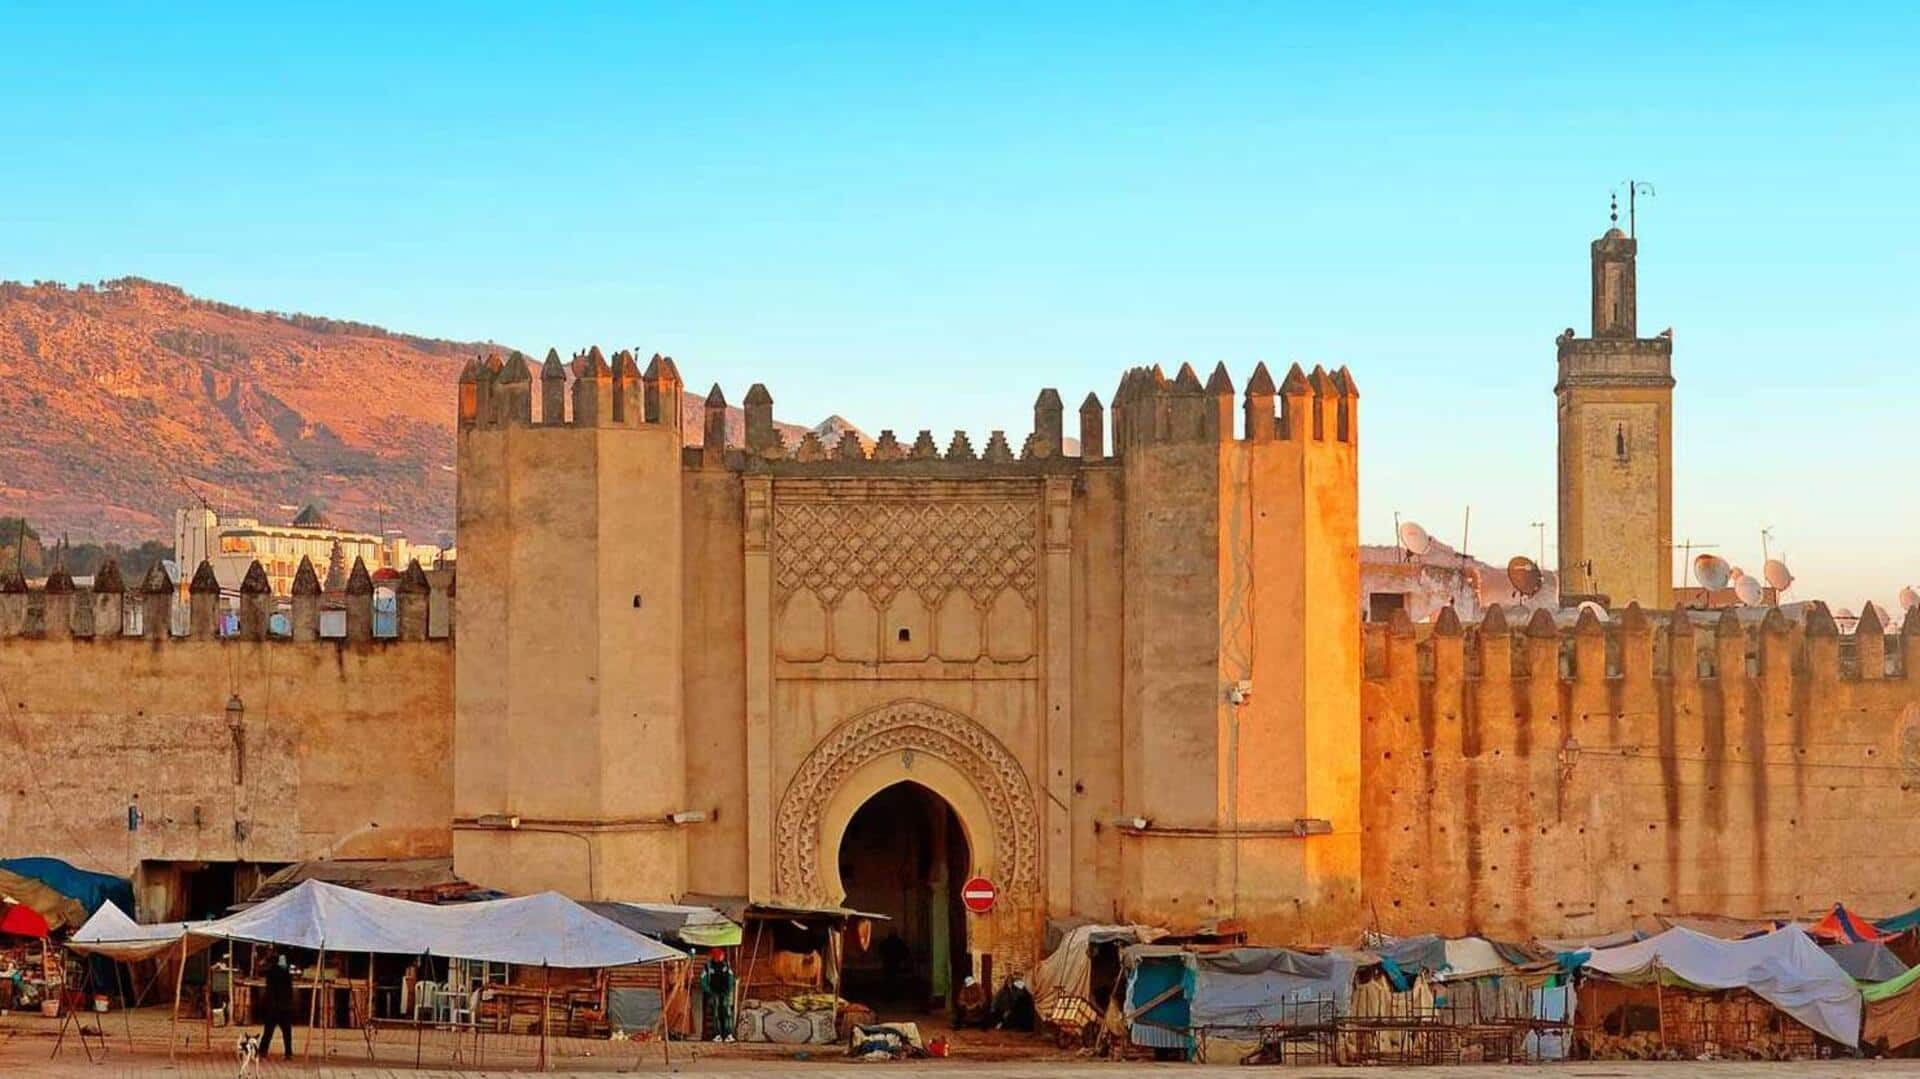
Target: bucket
x,y
99,1002
50,1008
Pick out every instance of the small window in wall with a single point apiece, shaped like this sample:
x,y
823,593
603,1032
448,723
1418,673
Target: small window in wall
x,y
1381,605
1620,441
905,635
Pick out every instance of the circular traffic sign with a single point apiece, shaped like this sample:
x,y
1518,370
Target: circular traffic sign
x,y
978,894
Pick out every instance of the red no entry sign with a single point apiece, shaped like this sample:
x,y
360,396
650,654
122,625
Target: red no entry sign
x,y
978,894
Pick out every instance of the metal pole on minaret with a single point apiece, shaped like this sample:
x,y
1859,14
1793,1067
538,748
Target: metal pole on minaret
x,y
1634,189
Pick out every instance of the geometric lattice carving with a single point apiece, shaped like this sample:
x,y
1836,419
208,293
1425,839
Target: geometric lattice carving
x,y
884,546
919,727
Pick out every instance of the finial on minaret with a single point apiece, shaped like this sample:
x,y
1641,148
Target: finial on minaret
x,y
1613,207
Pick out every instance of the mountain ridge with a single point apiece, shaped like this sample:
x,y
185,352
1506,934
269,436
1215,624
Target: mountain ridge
x,y
125,400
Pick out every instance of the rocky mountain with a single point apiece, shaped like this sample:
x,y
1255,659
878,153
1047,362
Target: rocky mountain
x,y
124,401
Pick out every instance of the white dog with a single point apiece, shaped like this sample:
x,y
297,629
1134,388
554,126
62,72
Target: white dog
x,y
248,1050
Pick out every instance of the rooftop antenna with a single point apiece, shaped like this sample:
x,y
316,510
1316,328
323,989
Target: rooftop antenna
x,y
1686,549
1540,527
1634,188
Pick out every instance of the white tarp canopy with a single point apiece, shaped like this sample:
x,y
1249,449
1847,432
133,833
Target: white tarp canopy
x,y
1785,968
112,934
545,929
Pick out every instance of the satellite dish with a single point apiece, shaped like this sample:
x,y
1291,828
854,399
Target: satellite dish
x,y
1415,539
1598,611
1845,614
1777,575
1909,598
1735,575
1749,591
1524,573
1711,571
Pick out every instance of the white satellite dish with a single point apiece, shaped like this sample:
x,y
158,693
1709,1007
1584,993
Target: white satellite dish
x,y
1777,575
1845,614
1415,539
1711,571
1736,575
1909,598
1749,590
1598,611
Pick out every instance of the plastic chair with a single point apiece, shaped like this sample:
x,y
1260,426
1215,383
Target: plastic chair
x,y
426,998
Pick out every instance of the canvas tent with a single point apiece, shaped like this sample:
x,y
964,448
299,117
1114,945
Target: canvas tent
x,y
1866,960
112,934
63,894
693,926
547,929
1062,983
1891,1024
1844,926
1785,968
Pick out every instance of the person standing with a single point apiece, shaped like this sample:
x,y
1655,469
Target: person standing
x,y
279,1010
716,985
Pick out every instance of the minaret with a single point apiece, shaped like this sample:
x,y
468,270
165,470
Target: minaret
x,y
1615,394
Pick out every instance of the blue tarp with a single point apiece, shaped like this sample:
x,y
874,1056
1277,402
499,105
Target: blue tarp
x,y
83,886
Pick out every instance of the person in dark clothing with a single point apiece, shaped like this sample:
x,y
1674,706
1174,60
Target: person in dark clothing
x,y
279,1006
895,958
716,985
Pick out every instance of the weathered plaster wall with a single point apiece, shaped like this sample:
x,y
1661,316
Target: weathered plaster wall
x,y
347,749
1558,782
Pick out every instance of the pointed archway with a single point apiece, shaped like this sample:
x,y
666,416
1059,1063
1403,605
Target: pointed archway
x,y
953,757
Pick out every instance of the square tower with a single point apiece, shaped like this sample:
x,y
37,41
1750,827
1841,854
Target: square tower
x,y
1615,394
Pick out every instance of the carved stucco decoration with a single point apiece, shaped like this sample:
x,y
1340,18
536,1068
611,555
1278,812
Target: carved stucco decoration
x,y
884,546
921,728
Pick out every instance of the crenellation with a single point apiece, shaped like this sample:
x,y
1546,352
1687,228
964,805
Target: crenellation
x,y
664,389
256,603
627,393
411,598
1261,422
553,390
513,392
1092,429
961,448
924,448
109,601
592,390
303,621
997,451
713,437
1870,645
203,603
763,439
1324,404
57,601
1049,431
1296,410
810,448
1217,419
359,600
156,604
888,448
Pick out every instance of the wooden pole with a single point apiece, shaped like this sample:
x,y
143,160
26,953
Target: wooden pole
x,y
126,1001
173,1023
546,994
313,1006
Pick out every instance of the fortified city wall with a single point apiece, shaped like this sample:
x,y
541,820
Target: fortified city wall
x,y
1556,781
342,746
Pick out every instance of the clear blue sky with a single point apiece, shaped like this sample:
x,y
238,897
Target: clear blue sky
x,y
917,219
